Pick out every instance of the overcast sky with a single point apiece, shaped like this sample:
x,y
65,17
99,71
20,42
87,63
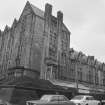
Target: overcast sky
x,y
84,18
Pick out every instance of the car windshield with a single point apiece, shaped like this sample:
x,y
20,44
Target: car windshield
x,y
78,97
45,98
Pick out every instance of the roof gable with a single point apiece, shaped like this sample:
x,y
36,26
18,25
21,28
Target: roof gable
x,y
31,8
65,28
37,11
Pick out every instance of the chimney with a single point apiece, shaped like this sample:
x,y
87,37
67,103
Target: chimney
x,y
48,9
60,16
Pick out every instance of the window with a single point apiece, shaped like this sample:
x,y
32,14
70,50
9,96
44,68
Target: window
x,y
89,98
79,74
62,98
45,98
49,72
53,38
64,45
18,73
78,97
54,98
53,45
96,77
64,57
89,76
65,40
52,52
54,69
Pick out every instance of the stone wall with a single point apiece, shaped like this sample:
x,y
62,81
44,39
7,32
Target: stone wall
x,y
36,41
21,45
56,46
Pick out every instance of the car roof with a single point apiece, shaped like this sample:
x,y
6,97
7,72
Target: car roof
x,y
85,95
49,95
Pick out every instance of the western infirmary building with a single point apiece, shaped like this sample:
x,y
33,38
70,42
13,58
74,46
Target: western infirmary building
x,y
37,45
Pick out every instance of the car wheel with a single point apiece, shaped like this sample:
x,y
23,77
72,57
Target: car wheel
x,y
99,103
86,104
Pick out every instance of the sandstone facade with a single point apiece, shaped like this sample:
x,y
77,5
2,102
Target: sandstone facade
x,y
37,42
38,45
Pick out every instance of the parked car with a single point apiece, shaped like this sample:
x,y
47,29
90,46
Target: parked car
x,y
102,102
51,100
85,100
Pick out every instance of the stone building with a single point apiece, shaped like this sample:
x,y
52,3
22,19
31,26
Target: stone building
x,y
87,72
36,45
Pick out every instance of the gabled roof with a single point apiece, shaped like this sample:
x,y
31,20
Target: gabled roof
x,y
65,28
14,23
74,55
36,10
84,59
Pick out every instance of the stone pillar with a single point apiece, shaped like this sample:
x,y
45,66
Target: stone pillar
x,y
60,16
59,33
46,35
48,11
59,28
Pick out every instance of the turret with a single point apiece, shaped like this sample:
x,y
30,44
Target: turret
x,y
14,23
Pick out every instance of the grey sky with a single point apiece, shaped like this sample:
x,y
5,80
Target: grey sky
x,y
84,18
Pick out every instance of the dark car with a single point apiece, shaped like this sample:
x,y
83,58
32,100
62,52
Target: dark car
x,y
51,100
102,102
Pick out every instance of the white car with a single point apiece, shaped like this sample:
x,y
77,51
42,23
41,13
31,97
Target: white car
x,y
51,100
85,100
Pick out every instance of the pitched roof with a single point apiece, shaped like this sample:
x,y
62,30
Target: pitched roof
x,y
74,55
36,10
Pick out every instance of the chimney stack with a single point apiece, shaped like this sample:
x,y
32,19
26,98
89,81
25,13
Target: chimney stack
x,y
48,9
60,16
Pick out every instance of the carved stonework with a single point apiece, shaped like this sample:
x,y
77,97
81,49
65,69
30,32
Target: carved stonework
x,y
37,35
